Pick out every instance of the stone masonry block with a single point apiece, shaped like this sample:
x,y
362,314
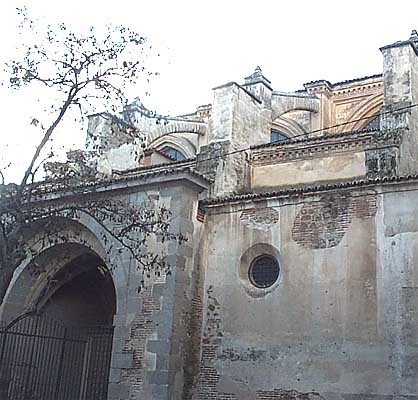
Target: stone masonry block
x,y
118,344
113,391
114,375
159,392
159,377
118,391
122,360
163,362
119,319
158,346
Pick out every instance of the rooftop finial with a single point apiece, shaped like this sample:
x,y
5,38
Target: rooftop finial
x,y
256,76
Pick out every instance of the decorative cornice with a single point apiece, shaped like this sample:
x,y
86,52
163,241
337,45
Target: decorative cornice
x,y
320,139
342,88
346,82
322,146
357,89
305,190
364,78
297,94
64,188
308,152
187,161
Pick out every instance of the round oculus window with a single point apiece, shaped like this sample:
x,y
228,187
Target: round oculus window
x,y
264,271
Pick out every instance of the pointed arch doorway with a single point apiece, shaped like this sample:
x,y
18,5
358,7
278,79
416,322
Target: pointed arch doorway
x,y
61,350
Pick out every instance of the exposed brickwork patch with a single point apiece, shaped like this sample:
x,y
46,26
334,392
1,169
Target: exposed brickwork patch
x,y
192,361
141,329
280,394
322,224
213,328
200,215
212,340
230,354
260,218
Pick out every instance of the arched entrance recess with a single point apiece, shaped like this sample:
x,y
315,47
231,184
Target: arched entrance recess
x,y
81,292
59,346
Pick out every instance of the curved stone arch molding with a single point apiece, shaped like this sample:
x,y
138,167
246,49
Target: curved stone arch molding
x,y
289,127
88,236
369,108
185,146
173,127
283,103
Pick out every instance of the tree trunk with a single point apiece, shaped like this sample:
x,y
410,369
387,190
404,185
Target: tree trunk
x,y
6,275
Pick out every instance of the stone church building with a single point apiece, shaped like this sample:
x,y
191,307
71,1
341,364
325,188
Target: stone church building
x,y
300,273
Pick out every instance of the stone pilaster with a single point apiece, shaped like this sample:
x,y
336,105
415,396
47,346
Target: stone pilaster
x,y
241,117
400,111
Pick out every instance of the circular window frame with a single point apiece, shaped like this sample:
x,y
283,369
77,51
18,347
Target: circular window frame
x,y
248,258
253,264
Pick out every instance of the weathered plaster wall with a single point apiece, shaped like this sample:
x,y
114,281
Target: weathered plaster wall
x,y
342,319
397,262
332,168
113,148
238,120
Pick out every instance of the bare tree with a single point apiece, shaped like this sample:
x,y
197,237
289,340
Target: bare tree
x,y
83,73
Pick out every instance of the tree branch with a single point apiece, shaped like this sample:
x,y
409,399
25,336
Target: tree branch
x,y
71,94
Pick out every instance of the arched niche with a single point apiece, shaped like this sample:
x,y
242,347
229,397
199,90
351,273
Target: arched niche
x,y
288,127
365,113
81,292
179,143
177,127
58,271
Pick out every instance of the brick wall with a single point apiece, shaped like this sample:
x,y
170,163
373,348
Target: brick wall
x,y
194,329
140,330
280,394
211,342
322,223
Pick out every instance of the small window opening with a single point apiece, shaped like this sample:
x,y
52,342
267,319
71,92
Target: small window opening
x,y
277,136
264,271
173,153
374,124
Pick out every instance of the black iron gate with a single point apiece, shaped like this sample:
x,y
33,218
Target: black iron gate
x,y
42,359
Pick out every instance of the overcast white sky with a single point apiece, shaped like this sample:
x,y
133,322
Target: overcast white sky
x,y
208,43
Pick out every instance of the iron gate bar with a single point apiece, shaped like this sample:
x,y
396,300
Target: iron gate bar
x,y
44,337
57,388
32,350
42,359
